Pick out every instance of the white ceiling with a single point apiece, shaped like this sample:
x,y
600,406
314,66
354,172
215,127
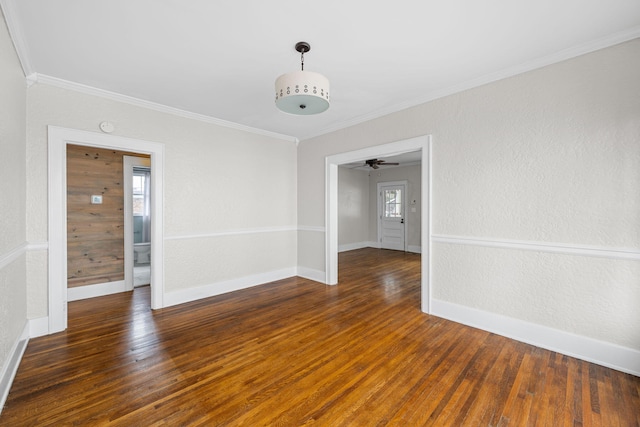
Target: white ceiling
x,y
220,58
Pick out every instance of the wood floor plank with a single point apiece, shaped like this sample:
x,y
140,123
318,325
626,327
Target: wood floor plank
x,y
295,352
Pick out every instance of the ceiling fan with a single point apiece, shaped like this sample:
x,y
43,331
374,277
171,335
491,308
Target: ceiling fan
x,y
376,163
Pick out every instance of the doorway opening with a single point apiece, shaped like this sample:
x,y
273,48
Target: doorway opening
x,y
137,221
422,144
58,139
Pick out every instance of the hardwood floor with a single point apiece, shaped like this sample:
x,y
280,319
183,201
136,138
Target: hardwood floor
x,y
295,352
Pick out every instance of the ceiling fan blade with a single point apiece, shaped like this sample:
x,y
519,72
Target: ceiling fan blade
x,y
385,163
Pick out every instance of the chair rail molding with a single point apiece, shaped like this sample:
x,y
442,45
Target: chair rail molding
x,y
561,248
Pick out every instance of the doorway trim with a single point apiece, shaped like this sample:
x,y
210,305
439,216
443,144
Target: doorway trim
x,y
420,143
58,138
380,203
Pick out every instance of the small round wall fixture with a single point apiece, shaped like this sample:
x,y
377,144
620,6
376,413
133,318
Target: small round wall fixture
x,y
107,127
302,92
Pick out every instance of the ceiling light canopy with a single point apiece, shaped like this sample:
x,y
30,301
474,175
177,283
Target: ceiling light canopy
x,y
302,92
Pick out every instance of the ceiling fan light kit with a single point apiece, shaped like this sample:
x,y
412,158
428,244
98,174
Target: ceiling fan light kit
x,y
302,92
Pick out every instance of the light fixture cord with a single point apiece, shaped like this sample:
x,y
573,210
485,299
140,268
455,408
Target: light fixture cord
x,y
302,59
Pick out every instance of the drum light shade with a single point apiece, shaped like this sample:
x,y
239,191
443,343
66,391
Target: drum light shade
x,y
302,92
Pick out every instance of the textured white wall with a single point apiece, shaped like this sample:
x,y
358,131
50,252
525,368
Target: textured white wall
x,y
313,255
412,175
551,156
13,282
218,181
230,256
353,206
12,138
588,296
548,156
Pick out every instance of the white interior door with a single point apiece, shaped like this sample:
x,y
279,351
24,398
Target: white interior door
x,y
391,215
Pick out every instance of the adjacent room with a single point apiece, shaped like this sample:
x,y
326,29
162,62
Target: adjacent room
x,y
277,213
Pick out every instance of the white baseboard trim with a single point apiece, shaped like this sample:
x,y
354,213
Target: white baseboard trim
x,y
39,327
353,246
591,350
375,245
213,289
312,274
97,290
10,367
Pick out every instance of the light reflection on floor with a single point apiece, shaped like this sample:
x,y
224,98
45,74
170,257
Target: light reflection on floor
x,y
142,322
392,289
141,275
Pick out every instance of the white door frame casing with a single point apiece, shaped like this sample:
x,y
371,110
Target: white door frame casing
x,y
58,138
380,207
421,143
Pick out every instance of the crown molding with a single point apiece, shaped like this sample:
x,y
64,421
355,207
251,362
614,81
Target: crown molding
x,y
114,96
17,35
9,9
563,55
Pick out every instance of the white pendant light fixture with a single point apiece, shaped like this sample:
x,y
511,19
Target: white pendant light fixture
x,y
302,92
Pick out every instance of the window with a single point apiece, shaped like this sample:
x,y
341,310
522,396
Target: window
x,y
393,203
138,194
